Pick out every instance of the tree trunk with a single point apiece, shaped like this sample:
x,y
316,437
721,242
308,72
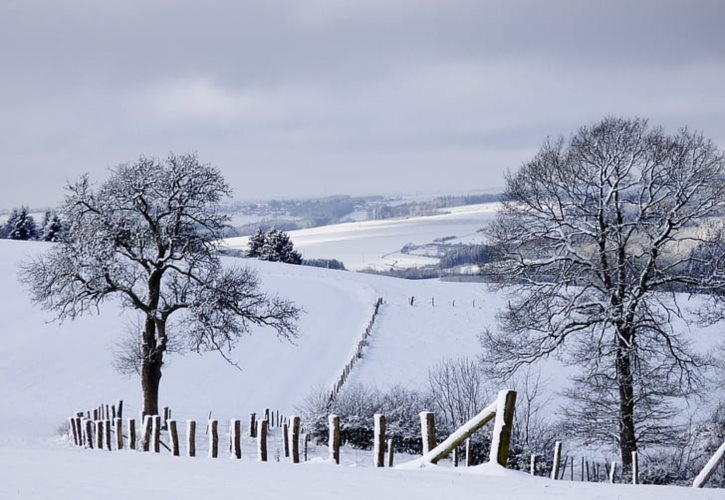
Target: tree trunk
x,y
151,369
625,380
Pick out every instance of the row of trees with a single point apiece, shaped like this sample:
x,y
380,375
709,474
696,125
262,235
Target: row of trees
x,y
22,226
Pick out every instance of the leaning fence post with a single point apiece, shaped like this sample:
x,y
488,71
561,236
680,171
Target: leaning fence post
x,y
635,468
156,431
235,431
295,431
213,439
502,427
191,438
710,467
557,460
428,430
131,434
118,425
262,440
379,440
173,437
334,439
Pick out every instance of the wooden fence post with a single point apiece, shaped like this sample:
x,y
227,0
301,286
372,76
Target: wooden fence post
x,y
99,434
306,440
612,472
156,433
213,439
73,430
235,431
379,440
557,460
468,452
285,439
635,468
146,432
295,431
710,467
262,440
391,452
532,469
252,425
131,434
119,411
173,437
89,433
167,417
334,440
118,425
454,456
428,431
108,434
502,427
191,438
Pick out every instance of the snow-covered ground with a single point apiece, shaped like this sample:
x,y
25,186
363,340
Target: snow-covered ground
x,y
376,243
48,370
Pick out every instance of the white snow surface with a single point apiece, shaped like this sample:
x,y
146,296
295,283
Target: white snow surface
x,y
49,370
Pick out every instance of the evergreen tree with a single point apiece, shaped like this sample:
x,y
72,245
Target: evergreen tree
x,y
273,246
21,225
52,227
256,243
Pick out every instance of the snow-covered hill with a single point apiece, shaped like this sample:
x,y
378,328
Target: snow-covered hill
x,y
49,370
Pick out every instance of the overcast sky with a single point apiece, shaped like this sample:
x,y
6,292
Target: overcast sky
x,y
308,98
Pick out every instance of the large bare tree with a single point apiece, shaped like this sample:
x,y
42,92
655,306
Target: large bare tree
x,y
149,236
598,234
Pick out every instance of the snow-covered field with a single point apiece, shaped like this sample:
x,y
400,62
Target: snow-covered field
x,y
376,243
49,370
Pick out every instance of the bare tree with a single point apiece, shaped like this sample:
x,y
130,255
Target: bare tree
x,y
596,236
149,236
458,390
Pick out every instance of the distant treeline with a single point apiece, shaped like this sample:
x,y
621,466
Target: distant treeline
x,y
430,207
22,226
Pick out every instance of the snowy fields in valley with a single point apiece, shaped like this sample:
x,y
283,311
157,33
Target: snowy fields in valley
x,y
48,370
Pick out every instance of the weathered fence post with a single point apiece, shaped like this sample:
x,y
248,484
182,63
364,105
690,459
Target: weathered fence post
x,y
108,434
99,434
191,438
306,440
146,432
557,460
156,431
612,472
428,430
235,431
118,425
391,452
74,431
213,439
167,417
455,457
468,452
379,440
285,439
334,439
252,425
89,433
131,434
532,469
295,431
502,427
262,440
173,437
635,468
119,411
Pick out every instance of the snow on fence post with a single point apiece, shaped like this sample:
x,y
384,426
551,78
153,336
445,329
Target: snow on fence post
x,y
379,440
532,469
502,427
73,431
108,434
119,411
146,432
173,437
213,439
295,437
191,438
285,439
131,433
118,426
306,440
89,433
612,472
635,468
235,432
156,433
391,453
262,441
99,434
468,452
710,467
455,456
334,438
428,431
79,427
252,425
557,460
167,416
